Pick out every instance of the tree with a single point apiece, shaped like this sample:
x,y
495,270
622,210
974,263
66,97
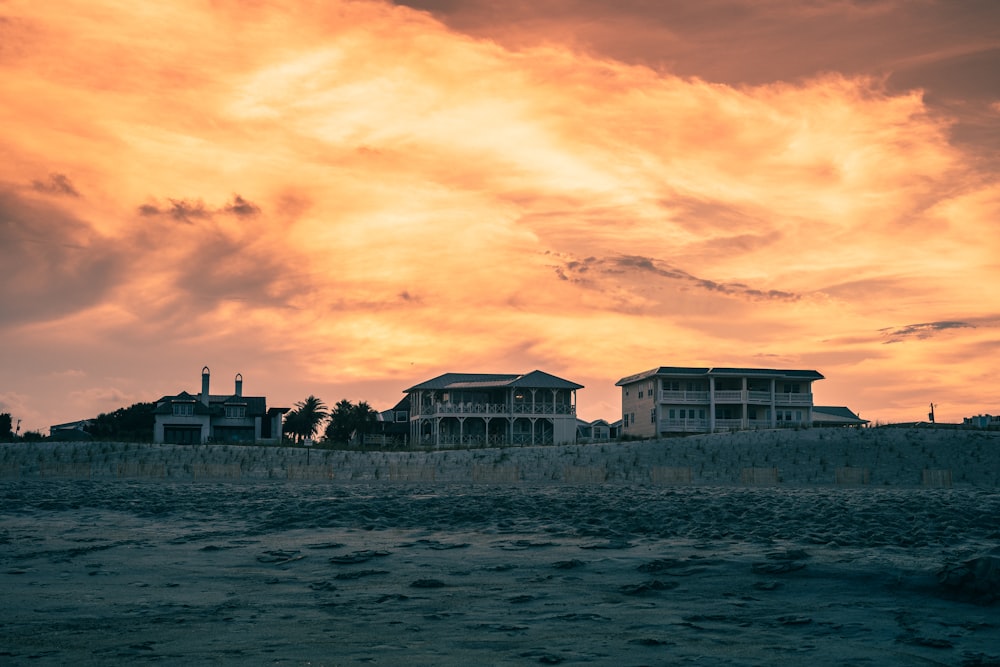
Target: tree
x,y
134,423
6,427
348,420
305,419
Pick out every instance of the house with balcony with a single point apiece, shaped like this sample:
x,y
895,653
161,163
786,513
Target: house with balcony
x,y
192,419
490,410
673,400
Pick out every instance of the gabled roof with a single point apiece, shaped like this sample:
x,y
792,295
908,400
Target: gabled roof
x,y
674,371
533,380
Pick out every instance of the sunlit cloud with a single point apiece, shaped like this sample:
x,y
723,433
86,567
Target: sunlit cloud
x,y
362,195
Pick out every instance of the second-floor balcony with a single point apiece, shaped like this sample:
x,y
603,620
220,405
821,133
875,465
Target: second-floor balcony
x,y
496,409
737,396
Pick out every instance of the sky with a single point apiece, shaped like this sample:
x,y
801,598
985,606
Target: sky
x,y
346,198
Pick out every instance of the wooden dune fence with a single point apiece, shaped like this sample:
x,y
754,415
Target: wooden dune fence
x,y
851,476
411,473
495,474
144,470
759,476
584,474
310,473
669,475
937,478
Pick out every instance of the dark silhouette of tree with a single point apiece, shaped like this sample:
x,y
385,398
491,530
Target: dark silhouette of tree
x,y
305,419
6,427
348,421
134,424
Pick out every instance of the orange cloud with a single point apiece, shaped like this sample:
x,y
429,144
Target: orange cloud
x,y
358,193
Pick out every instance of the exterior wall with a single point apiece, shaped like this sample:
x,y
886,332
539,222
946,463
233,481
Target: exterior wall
x,y
639,408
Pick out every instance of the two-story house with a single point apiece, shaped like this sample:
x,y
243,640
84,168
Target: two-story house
x,y
676,400
472,409
198,418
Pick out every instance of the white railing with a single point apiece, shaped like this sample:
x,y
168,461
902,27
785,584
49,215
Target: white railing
x,y
729,396
673,396
496,409
683,425
728,424
758,397
793,399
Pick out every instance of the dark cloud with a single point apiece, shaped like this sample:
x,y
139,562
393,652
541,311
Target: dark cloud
x,y
241,207
56,184
921,331
189,210
54,264
582,272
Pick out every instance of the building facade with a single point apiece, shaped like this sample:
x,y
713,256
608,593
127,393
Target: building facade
x,y
674,400
488,410
193,419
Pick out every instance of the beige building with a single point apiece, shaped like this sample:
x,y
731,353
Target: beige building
x,y
676,400
488,410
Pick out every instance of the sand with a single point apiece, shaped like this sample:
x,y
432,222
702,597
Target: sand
x,y
879,546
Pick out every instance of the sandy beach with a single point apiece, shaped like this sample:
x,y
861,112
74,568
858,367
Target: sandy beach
x,y
878,546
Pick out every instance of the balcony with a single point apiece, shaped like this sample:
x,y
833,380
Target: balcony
x,y
793,399
683,425
698,397
728,424
495,409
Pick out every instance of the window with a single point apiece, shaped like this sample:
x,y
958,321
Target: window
x,y
671,385
183,409
640,393
670,413
236,411
652,416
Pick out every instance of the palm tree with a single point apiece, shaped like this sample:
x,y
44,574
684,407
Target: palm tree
x,y
311,412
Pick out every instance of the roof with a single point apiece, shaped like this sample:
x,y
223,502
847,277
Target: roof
x,y
673,371
534,380
836,414
256,405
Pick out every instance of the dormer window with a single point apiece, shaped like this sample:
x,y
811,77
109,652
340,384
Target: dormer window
x,y
236,411
183,409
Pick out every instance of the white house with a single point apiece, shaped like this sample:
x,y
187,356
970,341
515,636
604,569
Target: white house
x,y
194,419
478,409
676,400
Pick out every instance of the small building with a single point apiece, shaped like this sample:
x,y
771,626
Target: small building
x,y
674,400
481,409
598,430
193,419
826,415
71,431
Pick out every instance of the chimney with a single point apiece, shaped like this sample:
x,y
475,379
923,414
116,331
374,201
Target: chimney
x,y
239,384
204,385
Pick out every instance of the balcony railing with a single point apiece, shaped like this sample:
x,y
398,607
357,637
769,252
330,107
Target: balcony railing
x,y
753,397
728,424
496,409
673,396
683,425
793,399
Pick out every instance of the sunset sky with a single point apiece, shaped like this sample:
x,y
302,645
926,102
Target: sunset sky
x,y
346,198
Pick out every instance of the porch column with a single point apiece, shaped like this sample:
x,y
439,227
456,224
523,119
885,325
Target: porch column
x,y
774,415
711,404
